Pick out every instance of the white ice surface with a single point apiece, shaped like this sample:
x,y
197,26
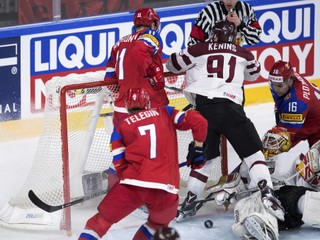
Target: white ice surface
x,y
15,164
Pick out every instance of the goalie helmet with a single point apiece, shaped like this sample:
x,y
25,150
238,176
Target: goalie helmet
x,y
280,72
224,31
137,99
166,233
276,141
145,17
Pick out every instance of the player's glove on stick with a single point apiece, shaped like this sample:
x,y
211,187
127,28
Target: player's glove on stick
x,y
155,75
196,156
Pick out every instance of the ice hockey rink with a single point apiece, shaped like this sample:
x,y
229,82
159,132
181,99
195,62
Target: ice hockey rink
x,y
15,165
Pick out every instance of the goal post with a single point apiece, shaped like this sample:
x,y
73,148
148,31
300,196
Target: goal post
x,y
73,150
95,87
73,144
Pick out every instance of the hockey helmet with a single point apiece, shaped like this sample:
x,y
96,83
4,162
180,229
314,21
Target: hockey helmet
x,y
224,31
145,17
280,72
137,99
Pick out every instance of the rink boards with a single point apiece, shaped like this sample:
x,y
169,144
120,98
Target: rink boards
x,y
32,54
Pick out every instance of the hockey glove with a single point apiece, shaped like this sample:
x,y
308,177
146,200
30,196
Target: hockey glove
x,y
155,76
196,156
275,141
308,165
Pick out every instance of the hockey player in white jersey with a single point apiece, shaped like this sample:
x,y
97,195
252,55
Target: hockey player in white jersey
x,y
215,72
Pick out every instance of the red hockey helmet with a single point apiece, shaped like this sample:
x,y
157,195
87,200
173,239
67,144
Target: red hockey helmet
x,y
280,72
145,17
224,31
137,99
166,233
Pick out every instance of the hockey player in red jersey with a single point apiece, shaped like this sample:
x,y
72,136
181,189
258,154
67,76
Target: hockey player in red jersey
x,y
135,61
215,71
297,114
145,156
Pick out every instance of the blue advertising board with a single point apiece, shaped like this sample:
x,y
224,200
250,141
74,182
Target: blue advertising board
x,y
10,79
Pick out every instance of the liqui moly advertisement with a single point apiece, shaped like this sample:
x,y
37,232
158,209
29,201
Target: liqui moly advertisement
x,y
83,45
289,33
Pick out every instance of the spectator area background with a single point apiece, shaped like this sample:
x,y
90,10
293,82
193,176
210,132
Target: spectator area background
x,y
15,12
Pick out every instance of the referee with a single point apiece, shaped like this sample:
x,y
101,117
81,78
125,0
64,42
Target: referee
x,y
238,12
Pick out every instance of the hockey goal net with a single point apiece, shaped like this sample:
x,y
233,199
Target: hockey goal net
x,y
73,150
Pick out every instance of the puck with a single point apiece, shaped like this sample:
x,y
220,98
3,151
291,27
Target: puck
x,y
208,224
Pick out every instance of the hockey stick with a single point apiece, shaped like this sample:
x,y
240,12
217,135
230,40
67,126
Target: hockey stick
x,y
50,208
200,203
182,164
174,89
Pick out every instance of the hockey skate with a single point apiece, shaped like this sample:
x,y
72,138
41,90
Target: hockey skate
x,y
258,229
188,207
271,203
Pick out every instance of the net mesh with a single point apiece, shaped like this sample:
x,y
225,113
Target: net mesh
x,y
88,118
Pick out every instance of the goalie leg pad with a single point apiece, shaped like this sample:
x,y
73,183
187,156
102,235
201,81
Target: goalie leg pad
x,y
260,227
252,219
311,212
289,197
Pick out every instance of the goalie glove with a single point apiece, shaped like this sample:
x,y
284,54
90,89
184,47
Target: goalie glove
x,y
308,166
196,156
155,76
276,141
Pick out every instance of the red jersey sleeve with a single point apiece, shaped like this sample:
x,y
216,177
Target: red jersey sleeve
x,y
193,120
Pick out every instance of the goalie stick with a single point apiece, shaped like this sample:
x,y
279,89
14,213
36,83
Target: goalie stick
x,y
50,208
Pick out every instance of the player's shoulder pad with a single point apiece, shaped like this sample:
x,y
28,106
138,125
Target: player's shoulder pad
x,y
152,35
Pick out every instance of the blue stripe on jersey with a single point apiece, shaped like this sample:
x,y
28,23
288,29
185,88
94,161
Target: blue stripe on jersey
x,y
110,74
118,157
146,232
115,136
179,117
87,236
170,110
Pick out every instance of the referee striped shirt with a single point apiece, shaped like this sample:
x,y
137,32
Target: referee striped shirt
x,y
249,29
